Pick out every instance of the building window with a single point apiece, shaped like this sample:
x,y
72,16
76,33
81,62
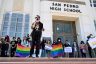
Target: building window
x,y
67,28
4,33
12,34
26,25
59,28
6,17
93,3
95,24
18,34
5,29
63,27
5,24
90,3
15,24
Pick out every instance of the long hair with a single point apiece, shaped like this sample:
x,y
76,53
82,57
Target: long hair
x,y
7,39
82,42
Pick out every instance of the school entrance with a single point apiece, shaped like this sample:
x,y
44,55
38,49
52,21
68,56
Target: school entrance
x,y
65,30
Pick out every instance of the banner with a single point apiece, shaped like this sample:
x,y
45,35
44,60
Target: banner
x,y
22,51
57,50
68,49
48,47
92,43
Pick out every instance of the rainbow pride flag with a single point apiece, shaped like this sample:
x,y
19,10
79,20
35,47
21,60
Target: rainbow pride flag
x,y
57,50
22,51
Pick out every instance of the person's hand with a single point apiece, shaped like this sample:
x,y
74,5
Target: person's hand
x,y
33,25
43,29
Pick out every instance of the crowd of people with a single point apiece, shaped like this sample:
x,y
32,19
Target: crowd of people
x,y
8,46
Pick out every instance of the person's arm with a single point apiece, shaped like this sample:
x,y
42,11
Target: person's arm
x,y
11,42
86,47
42,27
15,44
80,46
33,25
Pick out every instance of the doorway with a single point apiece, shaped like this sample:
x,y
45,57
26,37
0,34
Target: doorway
x,y
65,30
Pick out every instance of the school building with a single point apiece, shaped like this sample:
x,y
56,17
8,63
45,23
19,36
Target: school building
x,y
68,19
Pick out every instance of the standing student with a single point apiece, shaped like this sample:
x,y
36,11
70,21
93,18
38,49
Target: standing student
x,y
7,42
25,42
28,38
83,48
74,47
3,48
48,50
89,47
37,28
19,40
13,46
61,52
67,44
43,48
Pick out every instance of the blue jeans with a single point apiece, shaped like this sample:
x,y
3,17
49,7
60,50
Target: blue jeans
x,y
43,54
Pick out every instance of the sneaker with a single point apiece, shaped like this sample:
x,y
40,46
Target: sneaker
x,y
29,56
37,56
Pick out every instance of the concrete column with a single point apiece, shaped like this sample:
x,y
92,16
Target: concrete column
x,y
0,3
46,19
28,9
85,27
0,16
36,8
33,8
1,13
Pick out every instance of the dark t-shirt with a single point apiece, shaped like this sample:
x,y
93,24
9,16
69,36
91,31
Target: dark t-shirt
x,y
37,32
4,46
66,45
40,26
13,43
18,41
43,45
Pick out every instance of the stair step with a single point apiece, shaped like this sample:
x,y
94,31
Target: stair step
x,y
47,63
47,60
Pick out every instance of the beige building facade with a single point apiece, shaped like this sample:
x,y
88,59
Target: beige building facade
x,y
68,19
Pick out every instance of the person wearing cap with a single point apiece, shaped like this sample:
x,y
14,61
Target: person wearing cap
x,y
37,28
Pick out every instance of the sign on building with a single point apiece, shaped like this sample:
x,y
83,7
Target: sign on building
x,y
65,7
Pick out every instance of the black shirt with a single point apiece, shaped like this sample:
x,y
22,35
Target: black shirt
x,y
40,26
13,44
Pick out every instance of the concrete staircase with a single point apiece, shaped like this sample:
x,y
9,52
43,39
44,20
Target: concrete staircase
x,y
47,60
